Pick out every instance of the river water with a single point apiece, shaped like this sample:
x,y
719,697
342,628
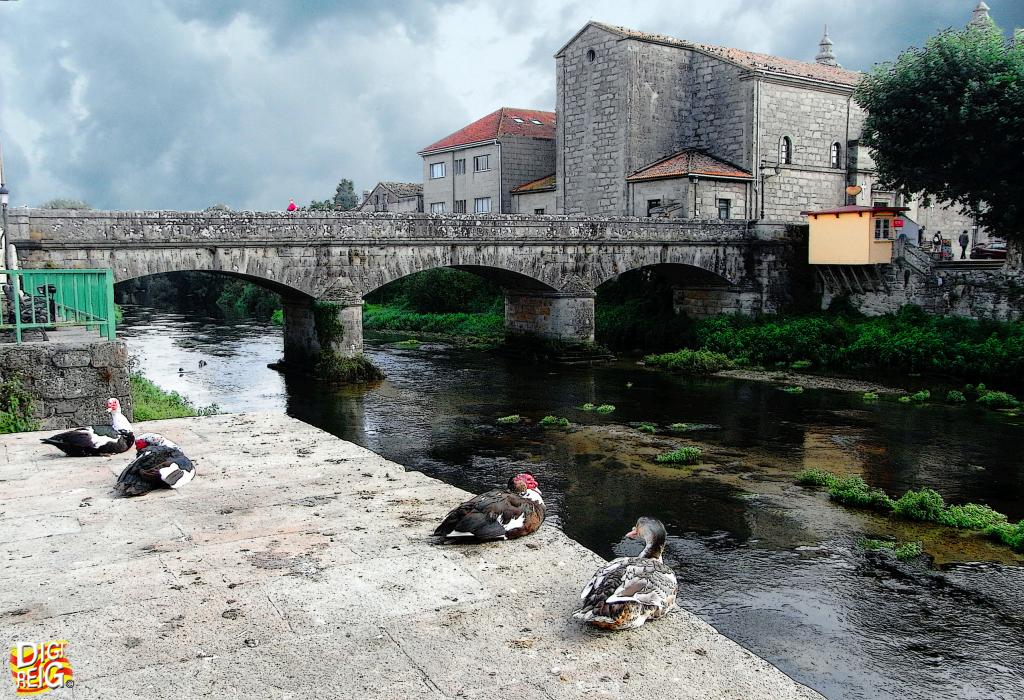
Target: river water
x,y
775,567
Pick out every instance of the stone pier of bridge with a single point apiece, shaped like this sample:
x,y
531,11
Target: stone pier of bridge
x,y
324,263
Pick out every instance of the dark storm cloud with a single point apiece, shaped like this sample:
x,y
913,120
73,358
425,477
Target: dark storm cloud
x,y
184,103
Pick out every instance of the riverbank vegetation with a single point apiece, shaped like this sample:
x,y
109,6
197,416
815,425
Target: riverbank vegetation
x,y
923,505
150,402
17,407
681,455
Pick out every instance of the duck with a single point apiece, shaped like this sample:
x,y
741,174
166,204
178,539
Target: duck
x,y
90,441
159,464
628,591
501,514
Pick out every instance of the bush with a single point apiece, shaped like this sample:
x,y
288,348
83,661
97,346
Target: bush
x,y
926,505
793,389
332,367
869,396
648,428
972,516
605,408
907,550
682,455
588,407
996,399
1010,535
690,361
954,396
508,420
816,477
16,407
801,364
852,491
472,325
150,402
554,422
277,318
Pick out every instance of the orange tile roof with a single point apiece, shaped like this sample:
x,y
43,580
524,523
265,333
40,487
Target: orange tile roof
x,y
689,161
507,121
747,59
541,184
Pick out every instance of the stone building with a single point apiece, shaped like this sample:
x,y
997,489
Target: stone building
x,y
628,100
535,197
476,168
393,196
693,185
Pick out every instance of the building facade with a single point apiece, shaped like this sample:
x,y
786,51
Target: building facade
x,y
628,100
393,196
475,169
535,197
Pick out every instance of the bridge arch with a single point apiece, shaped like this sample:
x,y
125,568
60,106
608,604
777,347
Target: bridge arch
x,y
285,291
706,264
506,273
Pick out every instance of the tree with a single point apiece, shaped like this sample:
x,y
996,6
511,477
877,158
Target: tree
x,y
946,122
345,195
65,203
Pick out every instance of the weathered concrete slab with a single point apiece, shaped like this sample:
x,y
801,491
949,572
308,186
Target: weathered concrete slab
x,y
299,565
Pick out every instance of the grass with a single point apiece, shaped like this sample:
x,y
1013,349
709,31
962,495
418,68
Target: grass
x,y
588,407
648,428
605,409
333,367
16,407
923,505
954,396
489,324
869,396
801,364
916,397
681,455
510,420
997,399
410,343
903,552
554,422
690,361
150,402
793,389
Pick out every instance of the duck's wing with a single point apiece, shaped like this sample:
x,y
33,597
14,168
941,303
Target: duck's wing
x,y
155,467
487,516
646,581
80,441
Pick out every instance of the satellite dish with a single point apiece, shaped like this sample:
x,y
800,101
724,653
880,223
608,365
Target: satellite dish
x,y
854,190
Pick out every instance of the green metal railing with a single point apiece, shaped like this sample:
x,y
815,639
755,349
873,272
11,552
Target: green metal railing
x,y
59,298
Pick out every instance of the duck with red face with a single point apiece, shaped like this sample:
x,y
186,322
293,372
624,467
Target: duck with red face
x,y
158,464
94,440
501,514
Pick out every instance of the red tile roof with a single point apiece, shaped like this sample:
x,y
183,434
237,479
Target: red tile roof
x,y
857,209
507,121
541,184
689,161
747,59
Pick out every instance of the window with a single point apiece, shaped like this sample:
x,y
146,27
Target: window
x,y
882,230
539,210
481,163
437,207
785,150
652,204
591,55
436,170
482,205
538,122
518,120
881,204
724,208
835,155
460,166
460,206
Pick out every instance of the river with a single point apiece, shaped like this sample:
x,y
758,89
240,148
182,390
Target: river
x,y
776,567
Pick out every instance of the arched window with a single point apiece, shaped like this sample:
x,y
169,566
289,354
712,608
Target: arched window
x,y
835,156
785,150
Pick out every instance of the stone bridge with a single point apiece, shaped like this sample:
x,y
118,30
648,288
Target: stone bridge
x,y
548,266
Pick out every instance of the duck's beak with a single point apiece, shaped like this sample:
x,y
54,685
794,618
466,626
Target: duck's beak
x,y
633,534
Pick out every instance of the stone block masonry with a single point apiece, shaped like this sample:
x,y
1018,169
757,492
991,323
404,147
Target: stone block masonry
x,y
300,565
70,382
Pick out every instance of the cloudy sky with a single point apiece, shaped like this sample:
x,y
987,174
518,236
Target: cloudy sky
x,y
180,104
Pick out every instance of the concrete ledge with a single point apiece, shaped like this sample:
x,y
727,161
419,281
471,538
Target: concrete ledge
x,y
299,565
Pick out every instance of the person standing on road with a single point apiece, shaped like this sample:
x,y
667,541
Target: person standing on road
x,y
964,240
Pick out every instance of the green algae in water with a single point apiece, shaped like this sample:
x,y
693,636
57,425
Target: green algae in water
x,y
869,396
682,455
794,389
605,408
903,552
648,428
510,420
554,422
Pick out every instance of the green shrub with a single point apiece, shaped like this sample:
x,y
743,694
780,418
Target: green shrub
x,y
277,318
507,420
587,407
679,427
690,361
793,389
1008,534
996,399
605,408
334,368
682,455
554,422
150,402
816,477
409,343
954,396
852,491
972,516
648,428
925,504
907,550
801,364
869,396
16,407
472,325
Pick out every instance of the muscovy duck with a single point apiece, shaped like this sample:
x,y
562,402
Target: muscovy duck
x,y
159,464
628,591
90,441
498,514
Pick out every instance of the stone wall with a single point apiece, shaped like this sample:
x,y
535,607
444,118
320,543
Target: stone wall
x,y
524,159
70,382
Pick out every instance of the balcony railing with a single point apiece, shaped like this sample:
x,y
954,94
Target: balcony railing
x,y
51,299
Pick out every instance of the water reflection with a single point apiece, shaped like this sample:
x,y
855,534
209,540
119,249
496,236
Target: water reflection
x,y
777,568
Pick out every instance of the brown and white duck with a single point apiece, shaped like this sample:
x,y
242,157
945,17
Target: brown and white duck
x,y
628,591
158,464
93,440
497,515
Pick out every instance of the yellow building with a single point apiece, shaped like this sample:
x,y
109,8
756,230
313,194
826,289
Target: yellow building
x,y
853,235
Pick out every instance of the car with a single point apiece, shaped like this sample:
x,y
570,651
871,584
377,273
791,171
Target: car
x,y
991,250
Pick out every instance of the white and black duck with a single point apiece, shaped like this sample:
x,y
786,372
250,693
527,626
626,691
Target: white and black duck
x,y
497,515
159,464
93,440
628,591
